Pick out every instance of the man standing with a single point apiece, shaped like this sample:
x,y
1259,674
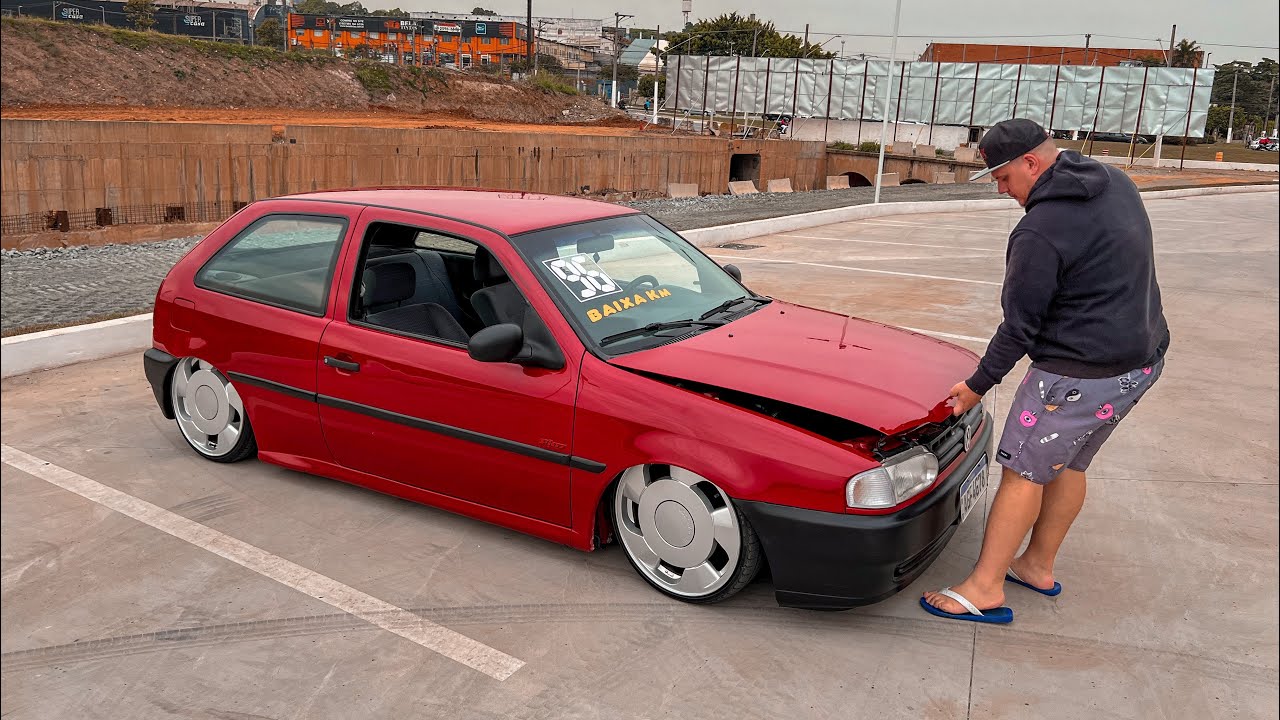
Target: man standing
x,y
1080,298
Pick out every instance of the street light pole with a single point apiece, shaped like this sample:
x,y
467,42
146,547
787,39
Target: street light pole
x,y
617,50
1231,117
888,89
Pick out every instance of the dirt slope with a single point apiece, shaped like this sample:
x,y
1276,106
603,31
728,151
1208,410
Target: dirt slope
x,y
45,63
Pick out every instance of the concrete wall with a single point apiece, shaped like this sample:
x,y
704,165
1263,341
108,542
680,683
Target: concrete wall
x,y
78,165
945,137
840,162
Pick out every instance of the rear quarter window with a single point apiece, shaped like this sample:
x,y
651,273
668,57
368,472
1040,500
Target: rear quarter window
x,y
281,260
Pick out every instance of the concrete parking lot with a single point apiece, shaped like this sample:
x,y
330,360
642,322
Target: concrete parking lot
x,y
1169,607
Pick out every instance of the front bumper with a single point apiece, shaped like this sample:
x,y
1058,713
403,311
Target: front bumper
x,y
833,561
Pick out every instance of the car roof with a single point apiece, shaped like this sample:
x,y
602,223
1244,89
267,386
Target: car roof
x,y
507,211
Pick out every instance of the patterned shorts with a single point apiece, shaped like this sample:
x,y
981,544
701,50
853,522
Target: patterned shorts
x,y
1058,422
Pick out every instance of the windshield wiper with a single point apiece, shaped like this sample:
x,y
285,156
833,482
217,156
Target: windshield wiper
x,y
730,303
658,327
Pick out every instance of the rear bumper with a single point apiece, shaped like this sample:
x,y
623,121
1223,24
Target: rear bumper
x,y
833,561
157,364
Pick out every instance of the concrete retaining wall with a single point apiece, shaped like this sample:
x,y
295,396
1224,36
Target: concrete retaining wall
x,y
80,165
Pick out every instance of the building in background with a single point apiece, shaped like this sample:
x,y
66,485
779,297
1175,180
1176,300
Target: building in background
x,y
1044,55
412,41
224,22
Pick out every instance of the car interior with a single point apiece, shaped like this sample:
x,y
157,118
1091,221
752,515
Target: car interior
x,y
422,283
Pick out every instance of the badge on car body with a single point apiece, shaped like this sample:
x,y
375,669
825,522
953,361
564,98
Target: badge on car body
x,y
968,437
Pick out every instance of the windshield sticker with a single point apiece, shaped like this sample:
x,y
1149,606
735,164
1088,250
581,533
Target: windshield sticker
x,y
626,303
582,276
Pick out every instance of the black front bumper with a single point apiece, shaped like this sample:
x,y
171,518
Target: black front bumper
x,y
833,561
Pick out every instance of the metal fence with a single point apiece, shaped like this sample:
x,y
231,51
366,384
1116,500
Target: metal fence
x,y
1140,100
157,214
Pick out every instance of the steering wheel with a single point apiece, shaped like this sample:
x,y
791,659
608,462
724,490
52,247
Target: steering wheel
x,y
631,286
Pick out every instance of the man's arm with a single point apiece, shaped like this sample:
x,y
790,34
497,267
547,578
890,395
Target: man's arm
x,y
1030,283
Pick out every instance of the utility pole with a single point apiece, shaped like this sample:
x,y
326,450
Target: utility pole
x,y
1266,114
888,90
1231,117
1087,37
1172,35
617,50
528,36
541,23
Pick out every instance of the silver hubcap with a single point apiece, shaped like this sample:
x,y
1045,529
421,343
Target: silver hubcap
x,y
208,409
679,528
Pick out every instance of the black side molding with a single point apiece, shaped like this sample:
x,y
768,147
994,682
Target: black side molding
x,y
157,364
478,438
281,388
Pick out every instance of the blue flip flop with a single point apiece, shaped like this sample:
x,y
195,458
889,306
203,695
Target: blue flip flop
x,y
1012,576
999,616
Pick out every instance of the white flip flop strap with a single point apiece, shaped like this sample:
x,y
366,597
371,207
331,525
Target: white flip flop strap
x,y
960,599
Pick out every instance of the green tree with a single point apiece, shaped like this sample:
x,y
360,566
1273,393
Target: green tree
x,y
645,87
1253,87
733,34
393,12
482,11
269,33
141,14
1186,54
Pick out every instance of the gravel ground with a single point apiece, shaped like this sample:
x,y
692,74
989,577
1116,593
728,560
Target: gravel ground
x,y
55,287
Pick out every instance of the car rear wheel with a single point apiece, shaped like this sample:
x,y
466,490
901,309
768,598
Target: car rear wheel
x,y
683,534
210,413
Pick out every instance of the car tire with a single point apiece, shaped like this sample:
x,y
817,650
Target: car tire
x,y
683,534
209,412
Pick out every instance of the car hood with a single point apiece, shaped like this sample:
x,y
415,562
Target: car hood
x,y
878,376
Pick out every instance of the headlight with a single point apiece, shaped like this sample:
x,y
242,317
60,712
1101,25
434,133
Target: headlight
x,y
900,478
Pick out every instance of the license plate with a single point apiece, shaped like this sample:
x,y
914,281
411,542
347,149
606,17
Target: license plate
x,y
974,488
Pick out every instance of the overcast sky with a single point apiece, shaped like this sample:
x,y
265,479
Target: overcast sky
x,y
1212,24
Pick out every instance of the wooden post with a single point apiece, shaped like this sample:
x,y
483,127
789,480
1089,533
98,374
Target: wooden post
x,y
1187,132
733,108
1137,125
933,112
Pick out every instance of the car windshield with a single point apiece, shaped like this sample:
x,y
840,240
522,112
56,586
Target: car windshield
x,y
631,283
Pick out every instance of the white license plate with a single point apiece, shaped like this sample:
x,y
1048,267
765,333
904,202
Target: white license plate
x,y
974,488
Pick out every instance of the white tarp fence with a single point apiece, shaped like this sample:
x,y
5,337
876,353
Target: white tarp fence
x,y
1147,101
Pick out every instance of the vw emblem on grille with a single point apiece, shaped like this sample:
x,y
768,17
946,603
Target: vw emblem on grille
x,y
968,437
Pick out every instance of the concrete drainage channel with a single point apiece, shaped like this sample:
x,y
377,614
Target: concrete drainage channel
x,y
49,349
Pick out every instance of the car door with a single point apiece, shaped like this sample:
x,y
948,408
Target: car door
x,y
255,307
419,410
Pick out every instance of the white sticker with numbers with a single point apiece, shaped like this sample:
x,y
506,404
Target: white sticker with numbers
x,y
583,277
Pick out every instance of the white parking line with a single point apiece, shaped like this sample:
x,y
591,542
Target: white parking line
x,y
931,226
858,269
455,646
887,242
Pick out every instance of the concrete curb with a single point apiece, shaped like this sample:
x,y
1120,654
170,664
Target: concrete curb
x,y
706,237
49,349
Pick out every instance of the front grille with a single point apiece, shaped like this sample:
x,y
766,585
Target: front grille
x,y
946,439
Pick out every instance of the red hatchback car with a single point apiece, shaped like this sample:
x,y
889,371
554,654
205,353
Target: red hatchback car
x,y
577,371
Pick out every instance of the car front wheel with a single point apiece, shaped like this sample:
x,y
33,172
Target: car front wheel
x,y
210,413
683,534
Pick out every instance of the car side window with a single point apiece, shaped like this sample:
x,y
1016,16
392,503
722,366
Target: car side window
x,y
281,260
427,240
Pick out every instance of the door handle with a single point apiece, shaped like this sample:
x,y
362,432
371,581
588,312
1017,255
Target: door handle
x,y
347,365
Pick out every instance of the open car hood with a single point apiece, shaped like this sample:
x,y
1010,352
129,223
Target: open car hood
x,y
875,375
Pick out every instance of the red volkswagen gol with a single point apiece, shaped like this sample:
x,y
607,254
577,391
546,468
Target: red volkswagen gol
x,y
577,371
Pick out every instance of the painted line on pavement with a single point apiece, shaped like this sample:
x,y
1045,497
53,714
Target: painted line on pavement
x,y
859,269
437,638
887,242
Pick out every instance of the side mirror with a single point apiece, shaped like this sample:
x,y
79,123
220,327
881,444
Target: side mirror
x,y
734,272
496,343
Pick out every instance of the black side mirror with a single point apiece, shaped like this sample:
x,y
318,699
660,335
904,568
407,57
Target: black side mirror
x,y
496,343
734,272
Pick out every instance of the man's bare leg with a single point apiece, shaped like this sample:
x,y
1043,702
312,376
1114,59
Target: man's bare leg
x,y
1062,501
1016,505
